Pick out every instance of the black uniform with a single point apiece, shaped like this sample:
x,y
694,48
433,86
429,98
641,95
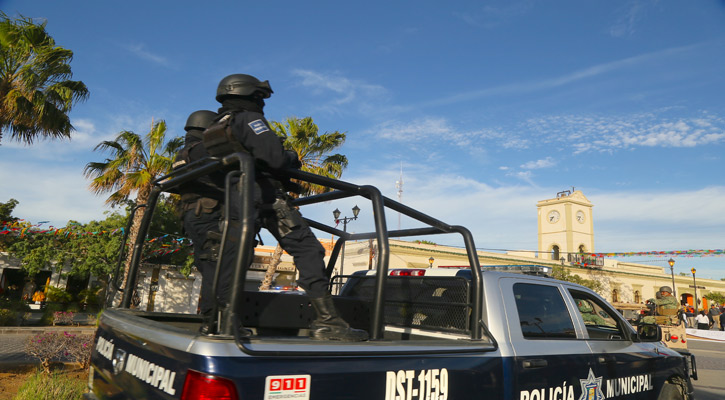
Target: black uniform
x,y
242,127
202,202
274,212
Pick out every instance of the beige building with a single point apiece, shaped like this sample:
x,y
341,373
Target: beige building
x,y
565,238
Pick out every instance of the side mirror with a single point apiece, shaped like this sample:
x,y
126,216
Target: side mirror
x,y
649,333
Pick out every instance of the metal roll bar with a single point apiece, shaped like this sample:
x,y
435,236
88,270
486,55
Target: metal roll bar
x,y
245,172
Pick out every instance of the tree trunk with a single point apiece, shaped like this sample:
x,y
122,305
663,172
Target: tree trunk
x,y
271,268
142,198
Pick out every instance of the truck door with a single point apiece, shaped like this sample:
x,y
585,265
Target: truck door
x,y
550,357
625,368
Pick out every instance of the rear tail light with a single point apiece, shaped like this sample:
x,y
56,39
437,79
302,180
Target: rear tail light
x,y
407,272
200,386
674,337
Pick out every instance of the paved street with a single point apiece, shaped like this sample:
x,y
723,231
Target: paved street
x,y
710,357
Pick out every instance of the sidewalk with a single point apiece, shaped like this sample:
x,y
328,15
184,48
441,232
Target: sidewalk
x,y
34,330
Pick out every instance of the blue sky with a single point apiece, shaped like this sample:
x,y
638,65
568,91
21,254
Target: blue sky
x,y
489,106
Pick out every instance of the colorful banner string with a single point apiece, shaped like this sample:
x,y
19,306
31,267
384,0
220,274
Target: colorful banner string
x,y
672,253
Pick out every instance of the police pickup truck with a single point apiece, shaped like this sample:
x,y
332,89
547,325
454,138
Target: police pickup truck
x,y
435,334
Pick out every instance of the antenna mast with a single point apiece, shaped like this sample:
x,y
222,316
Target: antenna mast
x,y
399,186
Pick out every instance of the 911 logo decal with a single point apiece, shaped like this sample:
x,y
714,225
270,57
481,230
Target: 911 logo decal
x,y
296,387
432,384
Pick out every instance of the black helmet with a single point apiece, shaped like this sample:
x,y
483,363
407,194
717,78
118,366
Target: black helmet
x,y
200,120
242,85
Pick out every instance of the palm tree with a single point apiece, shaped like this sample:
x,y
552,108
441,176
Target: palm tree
x,y
36,93
135,164
302,136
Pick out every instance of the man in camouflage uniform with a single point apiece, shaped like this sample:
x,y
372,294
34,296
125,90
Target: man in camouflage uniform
x,y
588,314
663,302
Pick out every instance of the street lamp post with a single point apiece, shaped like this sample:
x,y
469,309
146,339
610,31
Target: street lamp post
x,y
672,271
694,284
344,220
430,261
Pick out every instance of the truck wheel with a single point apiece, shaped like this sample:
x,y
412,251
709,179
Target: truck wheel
x,y
671,392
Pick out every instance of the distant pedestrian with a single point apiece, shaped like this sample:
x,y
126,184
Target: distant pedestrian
x,y
690,313
714,317
703,322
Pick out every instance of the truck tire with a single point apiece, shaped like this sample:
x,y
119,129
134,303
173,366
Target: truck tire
x,y
671,391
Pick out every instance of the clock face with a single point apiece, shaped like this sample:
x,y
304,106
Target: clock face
x,y
553,216
580,216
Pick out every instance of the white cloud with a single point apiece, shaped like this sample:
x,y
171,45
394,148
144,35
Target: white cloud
x,y
55,194
587,133
140,51
433,132
346,90
547,162
629,17
521,88
492,16
505,216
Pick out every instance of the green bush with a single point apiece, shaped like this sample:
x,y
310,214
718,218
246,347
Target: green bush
x,y
8,317
14,305
89,296
57,295
53,386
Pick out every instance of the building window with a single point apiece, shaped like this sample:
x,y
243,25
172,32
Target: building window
x,y
615,295
555,252
637,297
581,248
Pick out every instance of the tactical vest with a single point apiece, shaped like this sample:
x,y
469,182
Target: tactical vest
x,y
219,140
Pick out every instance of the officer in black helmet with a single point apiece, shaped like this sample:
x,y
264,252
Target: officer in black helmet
x,y
201,201
242,99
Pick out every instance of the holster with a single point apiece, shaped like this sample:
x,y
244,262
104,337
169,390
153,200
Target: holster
x,y
205,205
288,217
211,246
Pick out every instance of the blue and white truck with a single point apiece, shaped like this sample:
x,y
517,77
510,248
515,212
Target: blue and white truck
x,y
435,334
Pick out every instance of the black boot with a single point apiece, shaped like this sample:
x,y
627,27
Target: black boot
x,y
329,325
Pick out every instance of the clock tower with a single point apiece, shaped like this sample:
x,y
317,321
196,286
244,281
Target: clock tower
x,y
565,225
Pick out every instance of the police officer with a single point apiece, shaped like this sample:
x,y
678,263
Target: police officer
x,y
242,99
201,202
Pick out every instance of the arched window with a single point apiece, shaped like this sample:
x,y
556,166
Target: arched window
x,y
582,249
637,297
615,295
555,252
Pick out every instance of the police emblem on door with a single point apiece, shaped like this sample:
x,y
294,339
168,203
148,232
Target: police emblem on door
x,y
591,387
119,361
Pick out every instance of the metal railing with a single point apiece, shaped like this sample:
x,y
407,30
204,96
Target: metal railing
x,y
242,175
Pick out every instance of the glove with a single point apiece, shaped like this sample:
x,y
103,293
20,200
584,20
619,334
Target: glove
x,y
293,160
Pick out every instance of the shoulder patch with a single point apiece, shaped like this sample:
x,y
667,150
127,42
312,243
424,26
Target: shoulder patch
x,y
259,126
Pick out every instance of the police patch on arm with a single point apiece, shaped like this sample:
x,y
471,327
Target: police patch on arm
x,y
259,126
